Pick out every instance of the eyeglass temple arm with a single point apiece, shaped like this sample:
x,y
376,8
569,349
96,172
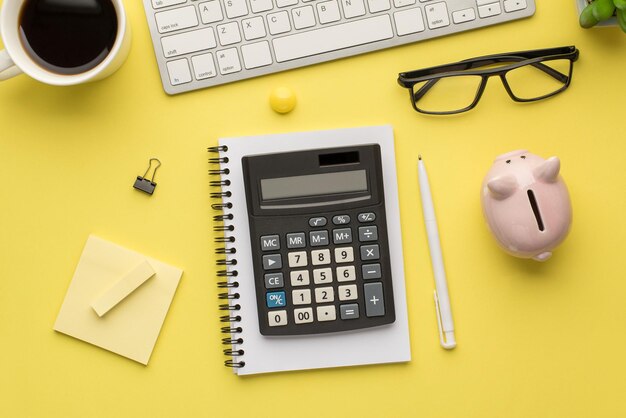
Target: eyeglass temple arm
x,y
474,63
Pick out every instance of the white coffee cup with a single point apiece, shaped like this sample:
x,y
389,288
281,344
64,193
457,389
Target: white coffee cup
x,y
14,60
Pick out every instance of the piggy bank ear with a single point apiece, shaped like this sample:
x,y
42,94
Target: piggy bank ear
x,y
502,187
548,171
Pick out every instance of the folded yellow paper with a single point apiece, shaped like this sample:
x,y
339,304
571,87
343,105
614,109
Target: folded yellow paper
x,y
102,279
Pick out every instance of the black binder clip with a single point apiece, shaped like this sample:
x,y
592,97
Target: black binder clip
x,y
145,185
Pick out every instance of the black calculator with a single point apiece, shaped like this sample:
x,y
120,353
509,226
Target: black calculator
x,y
319,240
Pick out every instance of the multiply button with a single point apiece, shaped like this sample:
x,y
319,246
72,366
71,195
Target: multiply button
x,y
317,221
370,252
270,243
272,262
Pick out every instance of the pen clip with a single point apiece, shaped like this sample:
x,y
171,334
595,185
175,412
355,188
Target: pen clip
x,y
450,343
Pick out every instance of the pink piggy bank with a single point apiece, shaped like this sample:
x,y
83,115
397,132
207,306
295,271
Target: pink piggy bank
x,y
526,204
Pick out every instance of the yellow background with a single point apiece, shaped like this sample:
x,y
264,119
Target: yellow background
x,y
535,340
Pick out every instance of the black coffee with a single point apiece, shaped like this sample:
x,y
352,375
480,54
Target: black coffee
x,y
68,36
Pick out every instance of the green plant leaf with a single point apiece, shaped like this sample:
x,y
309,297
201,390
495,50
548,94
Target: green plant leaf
x,y
621,19
603,9
620,4
587,19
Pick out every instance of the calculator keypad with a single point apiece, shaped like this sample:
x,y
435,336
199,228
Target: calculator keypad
x,y
332,277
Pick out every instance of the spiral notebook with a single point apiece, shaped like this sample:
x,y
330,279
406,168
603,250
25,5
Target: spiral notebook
x,y
309,284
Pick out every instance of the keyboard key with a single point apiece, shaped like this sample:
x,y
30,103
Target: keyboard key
x,y
275,299
203,66
228,61
277,318
483,2
270,242
286,3
299,278
328,11
346,274
437,15
318,238
210,12
514,5
369,233
256,55
229,33
297,259
342,236
349,311
462,16
301,297
489,10
272,262
253,28
179,72
367,217
341,219
322,276
347,292
157,4
344,255
371,271
259,6
370,252
176,19
326,313
374,303
353,8
188,42
324,294
274,280
320,257
303,17
296,240
303,315
408,21
278,22
332,38
378,5
318,220
402,3
235,8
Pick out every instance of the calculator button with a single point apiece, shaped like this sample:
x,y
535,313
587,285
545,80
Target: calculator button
x,y
301,297
277,318
276,299
318,238
367,217
342,236
347,292
297,259
272,262
299,277
344,255
320,257
274,280
317,221
346,274
303,315
349,311
368,233
326,313
322,276
324,294
341,219
370,252
296,240
374,304
371,271
270,242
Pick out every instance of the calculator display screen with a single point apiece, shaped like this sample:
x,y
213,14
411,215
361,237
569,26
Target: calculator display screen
x,y
314,185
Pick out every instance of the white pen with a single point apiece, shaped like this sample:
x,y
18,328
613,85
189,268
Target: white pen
x,y
442,298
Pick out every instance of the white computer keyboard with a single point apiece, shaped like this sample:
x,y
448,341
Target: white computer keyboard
x,y
202,43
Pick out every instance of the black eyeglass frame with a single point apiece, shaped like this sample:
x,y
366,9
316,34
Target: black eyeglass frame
x,y
467,68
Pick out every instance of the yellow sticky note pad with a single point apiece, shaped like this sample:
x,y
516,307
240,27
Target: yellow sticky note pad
x,y
131,292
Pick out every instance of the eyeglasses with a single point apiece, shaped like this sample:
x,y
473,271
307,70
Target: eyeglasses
x,y
527,76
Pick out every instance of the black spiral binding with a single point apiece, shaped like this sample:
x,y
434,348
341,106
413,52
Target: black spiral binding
x,y
226,269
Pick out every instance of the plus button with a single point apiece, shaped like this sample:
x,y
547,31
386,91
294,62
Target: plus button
x,y
374,300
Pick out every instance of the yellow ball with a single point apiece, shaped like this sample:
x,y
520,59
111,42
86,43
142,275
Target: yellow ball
x,y
283,100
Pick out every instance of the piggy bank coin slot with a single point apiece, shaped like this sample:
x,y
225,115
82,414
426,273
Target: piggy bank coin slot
x,y
535,207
